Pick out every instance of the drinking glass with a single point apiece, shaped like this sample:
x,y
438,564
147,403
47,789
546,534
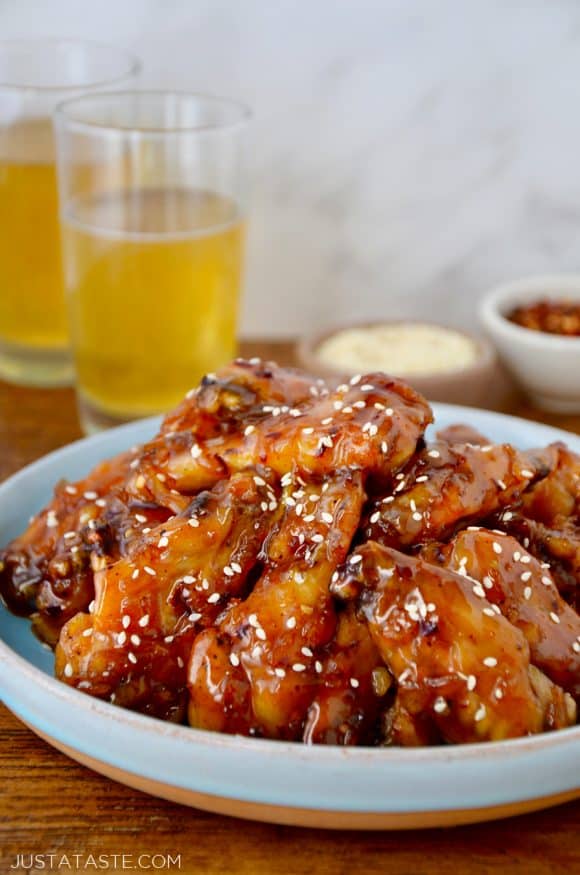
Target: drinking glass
x,y
152,193
35,75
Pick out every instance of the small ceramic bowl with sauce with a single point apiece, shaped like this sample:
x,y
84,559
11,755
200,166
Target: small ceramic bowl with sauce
x,y
533,323
442,363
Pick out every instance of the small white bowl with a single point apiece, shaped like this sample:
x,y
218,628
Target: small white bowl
x,y
546,365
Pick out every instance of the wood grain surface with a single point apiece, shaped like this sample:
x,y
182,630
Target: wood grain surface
x,y
51,805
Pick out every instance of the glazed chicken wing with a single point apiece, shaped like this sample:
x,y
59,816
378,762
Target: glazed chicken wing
x,y
351,687
134,645
547,520
460,667
373,425
525,593
256,672
444,487
48,570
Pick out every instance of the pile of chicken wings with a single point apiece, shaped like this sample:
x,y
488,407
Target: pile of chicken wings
x,y
289,561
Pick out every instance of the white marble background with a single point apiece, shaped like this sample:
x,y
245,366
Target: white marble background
x,y
407,153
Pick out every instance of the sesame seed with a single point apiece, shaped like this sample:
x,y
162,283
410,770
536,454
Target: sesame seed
x,y
546,581
163,541
121,638
440,705
327,517
490,661
306,651
236,567
90,495
72,490
434,454
367,387
489,612
132,658
527,473
144,621
68,670
554,618
87,633
354,682
422,479
525,576
355,380
291,623
576,647
126,621
299,577
188,578
501,484
279,672
487,582
507,516
249,429
359,405
193,522
496,548
384,447
169,638
92,606
228,571
498,693
260,634
480,713
149,570
298,666
374,518
417,516
307,430
195,451
213,598
527,593
479,591
234,659
355,559
134,639
100,502
51,520
471,682
318,666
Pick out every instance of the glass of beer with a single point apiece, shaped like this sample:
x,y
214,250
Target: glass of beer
x,y
152,193
35,75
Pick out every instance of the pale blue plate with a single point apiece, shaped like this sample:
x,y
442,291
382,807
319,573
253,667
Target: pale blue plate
x,y
274,781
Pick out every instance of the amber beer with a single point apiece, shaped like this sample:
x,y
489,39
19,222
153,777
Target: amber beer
x,y
153,283
32,309
35,77
152,193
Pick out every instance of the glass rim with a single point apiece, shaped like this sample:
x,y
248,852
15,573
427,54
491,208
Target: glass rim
x,y
63,114
133,64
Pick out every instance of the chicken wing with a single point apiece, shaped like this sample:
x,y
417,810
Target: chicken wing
x,y
134,645
263,656
460,667
373,424
525,593
444,487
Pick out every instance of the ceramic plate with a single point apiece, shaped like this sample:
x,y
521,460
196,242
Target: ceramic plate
x,y
362,788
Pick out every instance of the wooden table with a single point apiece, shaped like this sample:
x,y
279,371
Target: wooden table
x,y
49,804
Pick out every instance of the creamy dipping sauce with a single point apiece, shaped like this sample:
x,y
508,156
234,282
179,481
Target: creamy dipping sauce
x,y
400,348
